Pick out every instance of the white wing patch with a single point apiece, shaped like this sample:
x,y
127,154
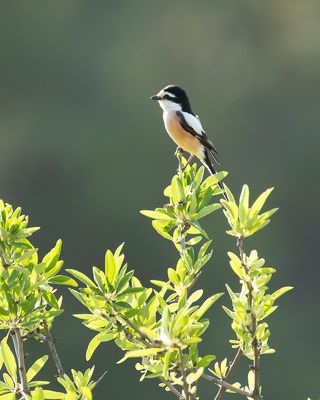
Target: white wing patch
x,y
193,122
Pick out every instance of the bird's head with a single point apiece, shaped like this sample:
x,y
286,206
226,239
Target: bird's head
x,y
173,98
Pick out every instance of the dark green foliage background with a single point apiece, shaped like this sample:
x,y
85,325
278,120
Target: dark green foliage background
x,y
82,150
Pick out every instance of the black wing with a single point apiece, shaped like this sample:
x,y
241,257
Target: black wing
x,y
202,137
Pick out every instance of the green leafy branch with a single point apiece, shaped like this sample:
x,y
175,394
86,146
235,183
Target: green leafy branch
x,y
29,306
252,305
163,326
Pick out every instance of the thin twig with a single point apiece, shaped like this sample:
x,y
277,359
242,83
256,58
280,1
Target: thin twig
x,y
137,330
182,243
256,390
148,342
226,385
131,324
53,350
255,345
40,336
5,264
178,154
99,380
172,388
24,396
18,346
3,261
233,365
184,376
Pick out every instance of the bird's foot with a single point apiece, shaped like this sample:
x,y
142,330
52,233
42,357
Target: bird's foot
x,y
178,154
179,151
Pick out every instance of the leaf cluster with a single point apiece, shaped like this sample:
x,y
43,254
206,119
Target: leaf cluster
x,y
29,304
164,325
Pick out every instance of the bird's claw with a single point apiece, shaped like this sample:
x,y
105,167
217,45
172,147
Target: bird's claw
x,y
178,152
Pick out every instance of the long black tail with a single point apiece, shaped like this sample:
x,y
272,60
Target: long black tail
x,y
207,163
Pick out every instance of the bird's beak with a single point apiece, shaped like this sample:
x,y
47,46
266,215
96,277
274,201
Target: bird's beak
x,y
156,97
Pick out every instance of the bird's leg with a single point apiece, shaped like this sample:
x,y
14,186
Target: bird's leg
x,y
188,161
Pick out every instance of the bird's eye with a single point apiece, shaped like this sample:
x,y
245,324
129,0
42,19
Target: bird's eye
x,y
168,97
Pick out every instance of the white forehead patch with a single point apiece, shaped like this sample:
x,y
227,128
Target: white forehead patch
x,y
164,93
161,93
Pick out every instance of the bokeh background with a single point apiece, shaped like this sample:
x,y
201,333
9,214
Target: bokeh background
x,y
82,150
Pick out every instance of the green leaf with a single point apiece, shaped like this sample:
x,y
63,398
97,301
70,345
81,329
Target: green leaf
x,y
193,241
258,204
82,277
166,362
167,191
87,393
8,359
194,376
63,280
159,283
280,292
268,214
177,190
52,257
50,298
8,380
251,380
231,212
100,279
156,215
205,361
141,353
206,305
173,276
8,396
195,296
229,194
160,227
110,266
36,367
192,340
123,283
208,210
198,228
268,312
94,343
235,264
53,395
244,204
54,270
38,394
132,290
212,180
38,383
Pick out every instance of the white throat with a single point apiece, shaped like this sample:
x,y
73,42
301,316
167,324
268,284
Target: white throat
x,y
168,106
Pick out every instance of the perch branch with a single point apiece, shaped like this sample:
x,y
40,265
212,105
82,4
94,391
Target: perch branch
x,y
53,350
184,376
255,345
226,385
18,346
233,365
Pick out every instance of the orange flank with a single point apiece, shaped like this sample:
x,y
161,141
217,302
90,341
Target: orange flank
x,y
181,137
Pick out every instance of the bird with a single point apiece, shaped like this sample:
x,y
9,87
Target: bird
x,y
184,127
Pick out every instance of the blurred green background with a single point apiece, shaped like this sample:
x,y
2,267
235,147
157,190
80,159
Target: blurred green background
x,y
83,150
